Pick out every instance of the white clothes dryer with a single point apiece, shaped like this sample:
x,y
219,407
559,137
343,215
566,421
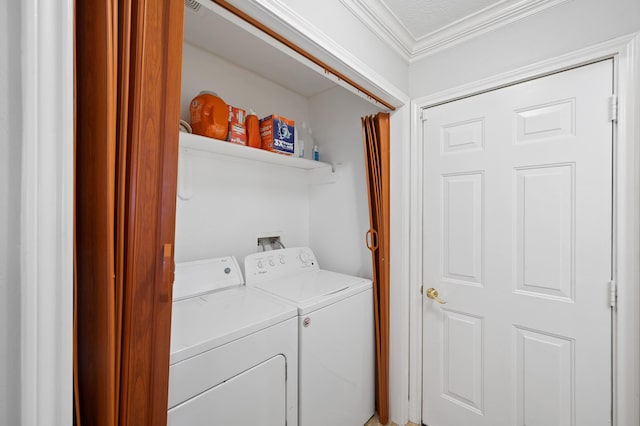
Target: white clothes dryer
x,y
233,350
336,355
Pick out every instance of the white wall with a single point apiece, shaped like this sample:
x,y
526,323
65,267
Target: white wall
x,y
236,86
339,215
337,22
234,200
553,32
10,158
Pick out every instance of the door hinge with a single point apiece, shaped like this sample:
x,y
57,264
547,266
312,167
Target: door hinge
x,y
613,294
423,115
613,108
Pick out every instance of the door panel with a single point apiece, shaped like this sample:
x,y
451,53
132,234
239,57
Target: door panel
x,y
463,367
463,228
517,241
544,378
544,224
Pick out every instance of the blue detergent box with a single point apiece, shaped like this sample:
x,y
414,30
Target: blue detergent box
x,y
277,134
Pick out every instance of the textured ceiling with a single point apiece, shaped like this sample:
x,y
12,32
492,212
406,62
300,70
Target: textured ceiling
x,y
422,17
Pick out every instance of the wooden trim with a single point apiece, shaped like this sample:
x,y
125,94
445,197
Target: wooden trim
x,y
383,132
328,69
123,64
373,193
152,154
95,163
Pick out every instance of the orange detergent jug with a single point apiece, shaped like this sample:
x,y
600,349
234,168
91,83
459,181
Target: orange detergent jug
x,y
209,115
253,130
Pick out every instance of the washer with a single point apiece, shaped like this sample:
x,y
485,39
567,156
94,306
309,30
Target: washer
x,y
233,350
335,332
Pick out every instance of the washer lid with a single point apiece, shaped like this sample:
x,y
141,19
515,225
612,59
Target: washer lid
x,y
315,289
205,322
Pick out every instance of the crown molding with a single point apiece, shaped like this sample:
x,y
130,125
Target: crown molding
x,y
386,25
484,21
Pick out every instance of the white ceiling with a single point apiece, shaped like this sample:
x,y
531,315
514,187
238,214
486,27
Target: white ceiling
x,y
417,28
422,17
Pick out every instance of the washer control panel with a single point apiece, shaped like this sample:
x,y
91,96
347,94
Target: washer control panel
x,y
273,264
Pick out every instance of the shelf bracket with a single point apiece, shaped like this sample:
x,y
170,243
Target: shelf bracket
x,y
325,175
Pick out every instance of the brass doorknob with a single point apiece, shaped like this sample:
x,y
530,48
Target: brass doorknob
x,y
432,293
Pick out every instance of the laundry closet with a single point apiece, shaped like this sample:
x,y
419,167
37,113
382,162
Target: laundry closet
x,y
273,314
229,196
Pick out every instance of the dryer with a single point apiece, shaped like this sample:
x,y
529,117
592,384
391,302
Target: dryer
x,y
233,350
336,355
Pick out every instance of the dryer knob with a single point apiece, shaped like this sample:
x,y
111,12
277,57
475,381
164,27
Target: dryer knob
x,y
304,257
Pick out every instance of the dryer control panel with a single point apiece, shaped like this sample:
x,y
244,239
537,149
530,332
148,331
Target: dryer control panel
x,y
204,276
274,264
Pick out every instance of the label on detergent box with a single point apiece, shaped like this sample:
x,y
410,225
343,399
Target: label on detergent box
x,y
236,115
237,130
277,134
237,133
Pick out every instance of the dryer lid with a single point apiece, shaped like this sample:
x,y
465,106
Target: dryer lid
x,y
205,322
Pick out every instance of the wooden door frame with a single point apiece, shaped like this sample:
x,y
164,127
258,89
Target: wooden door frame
x,y
626,327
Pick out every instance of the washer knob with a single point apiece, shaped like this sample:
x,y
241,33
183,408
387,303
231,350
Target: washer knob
x,y
271,262
260,264
282,260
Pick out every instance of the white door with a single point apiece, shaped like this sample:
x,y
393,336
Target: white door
x,y
517,240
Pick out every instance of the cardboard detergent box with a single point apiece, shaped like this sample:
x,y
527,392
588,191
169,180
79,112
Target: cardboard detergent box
x,y
237,130
277,134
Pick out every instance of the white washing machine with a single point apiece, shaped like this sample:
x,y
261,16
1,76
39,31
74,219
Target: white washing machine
x,y
336,355
234,350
